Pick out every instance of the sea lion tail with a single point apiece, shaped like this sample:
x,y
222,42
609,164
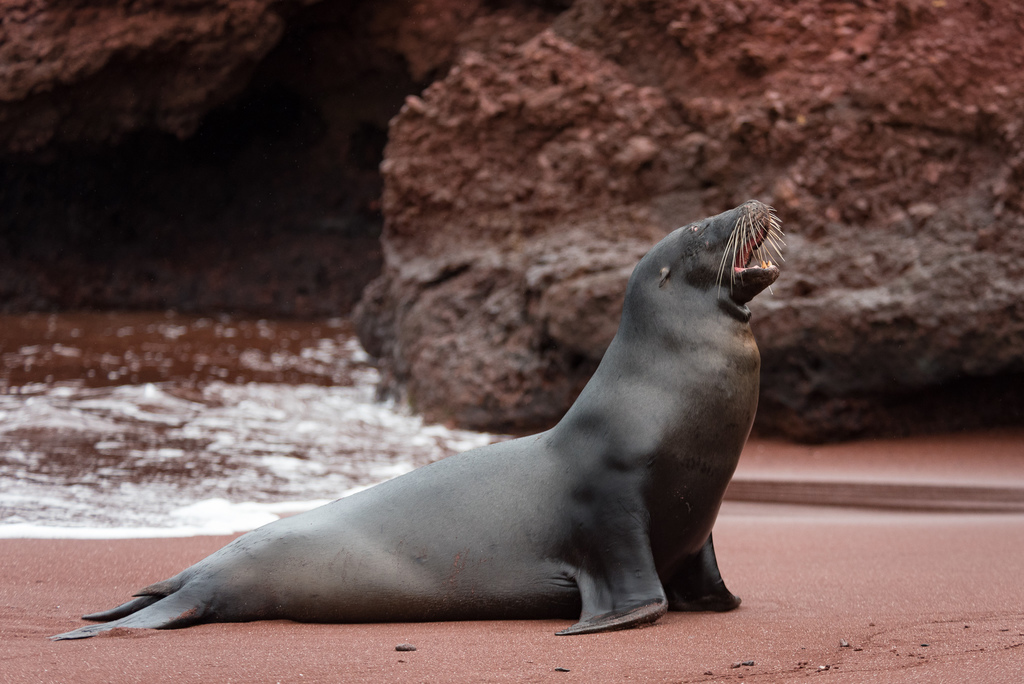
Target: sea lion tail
x,y
158,606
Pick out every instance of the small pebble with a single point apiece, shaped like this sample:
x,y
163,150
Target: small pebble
x,y
708,672
843,643
858,649
405,647
561,669
924,645
822,668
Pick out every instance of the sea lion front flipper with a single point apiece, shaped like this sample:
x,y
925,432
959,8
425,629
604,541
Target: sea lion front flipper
x,y
619,586
620,619
698,584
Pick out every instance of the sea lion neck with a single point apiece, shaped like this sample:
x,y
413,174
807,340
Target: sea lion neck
x,y
688,318
656,366
738,311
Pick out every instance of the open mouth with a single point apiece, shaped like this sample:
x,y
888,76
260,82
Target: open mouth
x,y
745,256
752,257
763,235
755,243
752,250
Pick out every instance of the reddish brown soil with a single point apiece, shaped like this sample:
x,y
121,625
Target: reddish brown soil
x,y
951,472
918,597
885,583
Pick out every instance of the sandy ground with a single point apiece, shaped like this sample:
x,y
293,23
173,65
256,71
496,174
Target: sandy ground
x,y
928,595
919,597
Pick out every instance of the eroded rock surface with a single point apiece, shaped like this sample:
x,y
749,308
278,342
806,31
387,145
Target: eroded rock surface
x,y
520,190
209,156
176,61
224,155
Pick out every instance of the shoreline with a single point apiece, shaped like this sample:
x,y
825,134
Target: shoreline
x,y
964,472
885,582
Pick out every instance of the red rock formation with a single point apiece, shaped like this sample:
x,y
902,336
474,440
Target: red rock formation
x,y
94,71
213,155
520,189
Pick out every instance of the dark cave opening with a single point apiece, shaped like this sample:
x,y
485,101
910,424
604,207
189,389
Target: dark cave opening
x,y
272,206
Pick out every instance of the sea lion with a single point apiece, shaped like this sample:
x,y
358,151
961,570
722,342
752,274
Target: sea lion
x,y
606,516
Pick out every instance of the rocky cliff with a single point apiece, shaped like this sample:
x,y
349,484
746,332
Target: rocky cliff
x,y
520,189
211,155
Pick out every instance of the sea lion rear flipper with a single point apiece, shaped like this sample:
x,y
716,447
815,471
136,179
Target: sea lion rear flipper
x,y
178,610
122,610
146,596
698,584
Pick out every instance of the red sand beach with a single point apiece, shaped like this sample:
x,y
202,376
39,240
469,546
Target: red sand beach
x,y
930,596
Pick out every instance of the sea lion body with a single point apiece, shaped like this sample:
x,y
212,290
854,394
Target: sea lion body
x,y
453,542
607,516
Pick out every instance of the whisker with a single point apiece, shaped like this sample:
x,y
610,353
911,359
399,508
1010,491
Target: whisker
x,y
772,245
774,238
729,257
759,229
748,233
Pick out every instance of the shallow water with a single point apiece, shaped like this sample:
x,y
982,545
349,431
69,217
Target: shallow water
x,y
149,424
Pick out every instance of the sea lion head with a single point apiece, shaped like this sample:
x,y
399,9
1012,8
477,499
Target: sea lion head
x,y
728,256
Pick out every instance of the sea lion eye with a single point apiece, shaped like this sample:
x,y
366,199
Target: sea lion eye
x,y
664,276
